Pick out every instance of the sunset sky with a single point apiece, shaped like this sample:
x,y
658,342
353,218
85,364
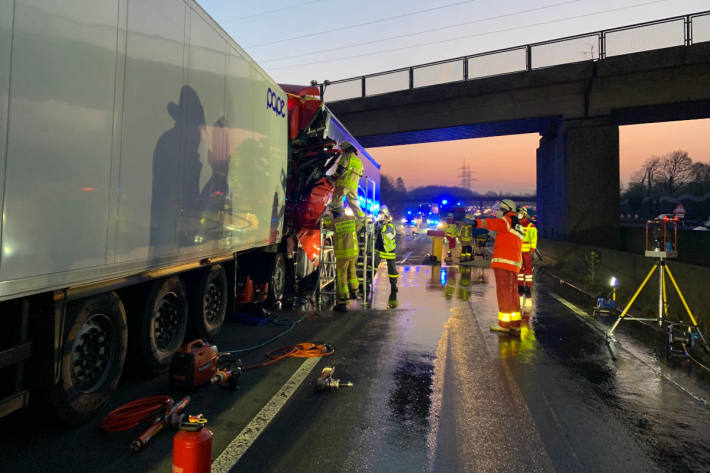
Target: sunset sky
x,y
299,40
507,163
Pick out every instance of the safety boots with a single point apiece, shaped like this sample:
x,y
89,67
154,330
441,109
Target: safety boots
x,y
392,302
341,307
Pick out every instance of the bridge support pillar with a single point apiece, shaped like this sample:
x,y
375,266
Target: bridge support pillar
x,y
578,182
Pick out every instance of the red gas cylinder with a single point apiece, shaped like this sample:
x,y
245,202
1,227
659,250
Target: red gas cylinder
x,y
246,292
192,449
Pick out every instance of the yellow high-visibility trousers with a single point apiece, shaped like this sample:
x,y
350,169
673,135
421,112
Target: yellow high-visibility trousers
x,y
351,196
346,276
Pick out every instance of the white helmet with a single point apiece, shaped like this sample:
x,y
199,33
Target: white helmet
x,y
384,213
507,205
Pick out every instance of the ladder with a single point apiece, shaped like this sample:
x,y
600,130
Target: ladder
x,y
366,267
326,285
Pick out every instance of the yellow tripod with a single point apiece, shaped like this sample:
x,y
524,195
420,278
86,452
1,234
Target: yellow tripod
x,y
663,269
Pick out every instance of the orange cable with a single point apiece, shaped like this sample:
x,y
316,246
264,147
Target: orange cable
x,y
301,350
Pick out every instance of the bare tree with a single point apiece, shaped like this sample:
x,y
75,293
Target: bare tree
x,y
666,174
700,172
648,174
675,172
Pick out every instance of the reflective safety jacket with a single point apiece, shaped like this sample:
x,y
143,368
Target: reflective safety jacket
x,y
466,233
345,239
530,238
387,244
452,230
350,170
507,251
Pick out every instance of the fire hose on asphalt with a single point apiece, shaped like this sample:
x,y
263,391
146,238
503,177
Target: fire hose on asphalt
x,y
161,411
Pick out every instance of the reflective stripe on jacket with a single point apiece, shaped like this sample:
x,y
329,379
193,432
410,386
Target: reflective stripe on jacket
x,y
353,170
389,244
345,237
507,251
451,230
466,233
530,238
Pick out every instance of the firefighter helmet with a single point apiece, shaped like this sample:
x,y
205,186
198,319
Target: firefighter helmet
x,y
384,213
507,205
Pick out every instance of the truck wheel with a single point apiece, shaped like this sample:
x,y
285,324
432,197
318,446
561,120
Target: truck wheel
x,y
93,353
277,284
208,304
163,325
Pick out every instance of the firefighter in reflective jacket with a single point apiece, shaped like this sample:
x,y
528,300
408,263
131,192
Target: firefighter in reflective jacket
x,y
506,263
346,252
386,246
525,276
451,231
466,237
347,178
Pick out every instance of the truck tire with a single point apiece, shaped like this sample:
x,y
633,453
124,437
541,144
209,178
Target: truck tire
x,y
208,303
277,282
93,353
163,326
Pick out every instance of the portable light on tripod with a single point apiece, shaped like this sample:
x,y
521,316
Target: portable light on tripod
x,y
661,244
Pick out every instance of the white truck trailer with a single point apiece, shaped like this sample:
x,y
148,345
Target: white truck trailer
x,y
142,153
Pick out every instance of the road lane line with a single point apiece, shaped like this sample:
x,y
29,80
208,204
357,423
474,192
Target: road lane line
x,y
241,443
586,318
437,391
405,258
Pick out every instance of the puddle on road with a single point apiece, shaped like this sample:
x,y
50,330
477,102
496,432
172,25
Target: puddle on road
x,y
410,398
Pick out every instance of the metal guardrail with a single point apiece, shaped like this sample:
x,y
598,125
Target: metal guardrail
x,y
675,31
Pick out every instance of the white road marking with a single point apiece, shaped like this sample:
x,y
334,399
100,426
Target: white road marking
x,y
405,258
586,318
241,443
437,391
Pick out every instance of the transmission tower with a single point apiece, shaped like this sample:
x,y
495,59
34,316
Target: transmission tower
x,y
466,175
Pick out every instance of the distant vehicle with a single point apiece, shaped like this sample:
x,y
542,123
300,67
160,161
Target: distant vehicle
x,y
703,226
667,217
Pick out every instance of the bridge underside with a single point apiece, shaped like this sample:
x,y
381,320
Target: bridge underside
x,y
462,132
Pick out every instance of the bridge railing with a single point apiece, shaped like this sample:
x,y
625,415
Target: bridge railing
x,y
675,31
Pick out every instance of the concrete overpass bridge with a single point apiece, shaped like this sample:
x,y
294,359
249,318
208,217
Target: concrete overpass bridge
x,y
650,72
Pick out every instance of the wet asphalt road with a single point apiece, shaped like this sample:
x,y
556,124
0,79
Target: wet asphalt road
x,y
434,390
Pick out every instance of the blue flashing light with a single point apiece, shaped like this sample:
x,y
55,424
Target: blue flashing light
x,y
458,203
444,202
442,277
409,212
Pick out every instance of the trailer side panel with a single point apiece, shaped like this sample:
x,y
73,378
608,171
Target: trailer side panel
x,y
191,128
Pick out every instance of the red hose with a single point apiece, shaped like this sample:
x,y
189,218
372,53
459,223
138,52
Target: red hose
x,y
133,413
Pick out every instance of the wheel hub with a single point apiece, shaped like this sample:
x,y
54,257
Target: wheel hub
x,y
212,303
278,280
166,320
92,352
